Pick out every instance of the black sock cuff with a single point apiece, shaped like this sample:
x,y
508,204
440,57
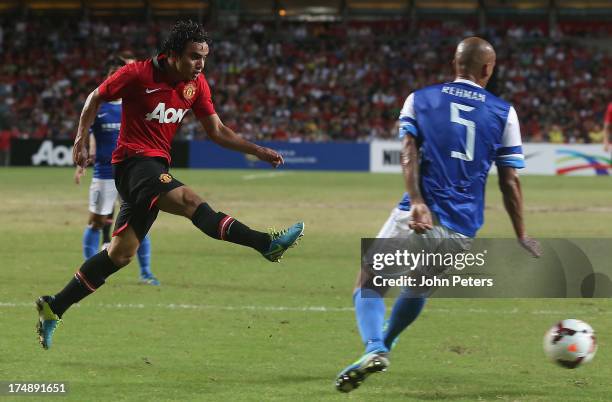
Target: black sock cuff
x,y
202,211
95,270
210,222
223,227
108,268
87,279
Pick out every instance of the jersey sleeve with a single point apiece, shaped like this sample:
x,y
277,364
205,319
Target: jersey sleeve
x,y
203,105
120,83
511,151
407,119
608,118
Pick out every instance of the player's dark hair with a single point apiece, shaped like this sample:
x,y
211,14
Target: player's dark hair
x,y
126,55
114,62
183,32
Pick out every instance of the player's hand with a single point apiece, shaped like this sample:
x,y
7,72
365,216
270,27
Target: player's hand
x,y
269,155
607,147
532,246
80,154
420,218
78,174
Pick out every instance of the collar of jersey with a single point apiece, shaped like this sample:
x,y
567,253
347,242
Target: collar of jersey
x,y
464,81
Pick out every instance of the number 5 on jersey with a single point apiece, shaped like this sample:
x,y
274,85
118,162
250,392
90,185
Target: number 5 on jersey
x,y
470,131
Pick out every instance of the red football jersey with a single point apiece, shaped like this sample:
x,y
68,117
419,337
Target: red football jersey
x,y
153,107
608,118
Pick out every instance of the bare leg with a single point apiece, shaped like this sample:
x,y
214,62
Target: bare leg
x,y
123,247
97,221
181,201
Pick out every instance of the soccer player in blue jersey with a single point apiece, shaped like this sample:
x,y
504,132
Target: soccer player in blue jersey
x,y
102,191
451,134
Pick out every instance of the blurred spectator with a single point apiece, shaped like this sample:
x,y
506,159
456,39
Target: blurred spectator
x,y
596,134
555,135
308,81
5,147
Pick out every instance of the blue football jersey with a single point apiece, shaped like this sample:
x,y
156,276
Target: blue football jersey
x,y
106,131
461,129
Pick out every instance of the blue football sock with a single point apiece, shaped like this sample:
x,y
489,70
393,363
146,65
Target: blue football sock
x,y
144,258
370,314
405,310
91,242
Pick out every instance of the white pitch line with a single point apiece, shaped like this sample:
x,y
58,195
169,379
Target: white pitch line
x,y
173,306
268,175
307,309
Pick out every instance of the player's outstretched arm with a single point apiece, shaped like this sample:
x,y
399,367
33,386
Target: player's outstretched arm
x,y
421,216
510,186
80,152
227,138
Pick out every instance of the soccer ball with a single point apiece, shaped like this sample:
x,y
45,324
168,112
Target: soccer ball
x,y
570,343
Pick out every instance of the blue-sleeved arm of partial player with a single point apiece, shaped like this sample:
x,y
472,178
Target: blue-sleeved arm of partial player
x,y
511,151
407,121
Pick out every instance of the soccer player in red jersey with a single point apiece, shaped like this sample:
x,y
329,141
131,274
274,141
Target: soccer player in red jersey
x,y
607,128
156,94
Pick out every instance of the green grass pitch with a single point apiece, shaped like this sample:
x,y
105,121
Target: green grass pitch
x,y
228,325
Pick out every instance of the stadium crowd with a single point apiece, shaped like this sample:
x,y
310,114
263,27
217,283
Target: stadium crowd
x,y
305,82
